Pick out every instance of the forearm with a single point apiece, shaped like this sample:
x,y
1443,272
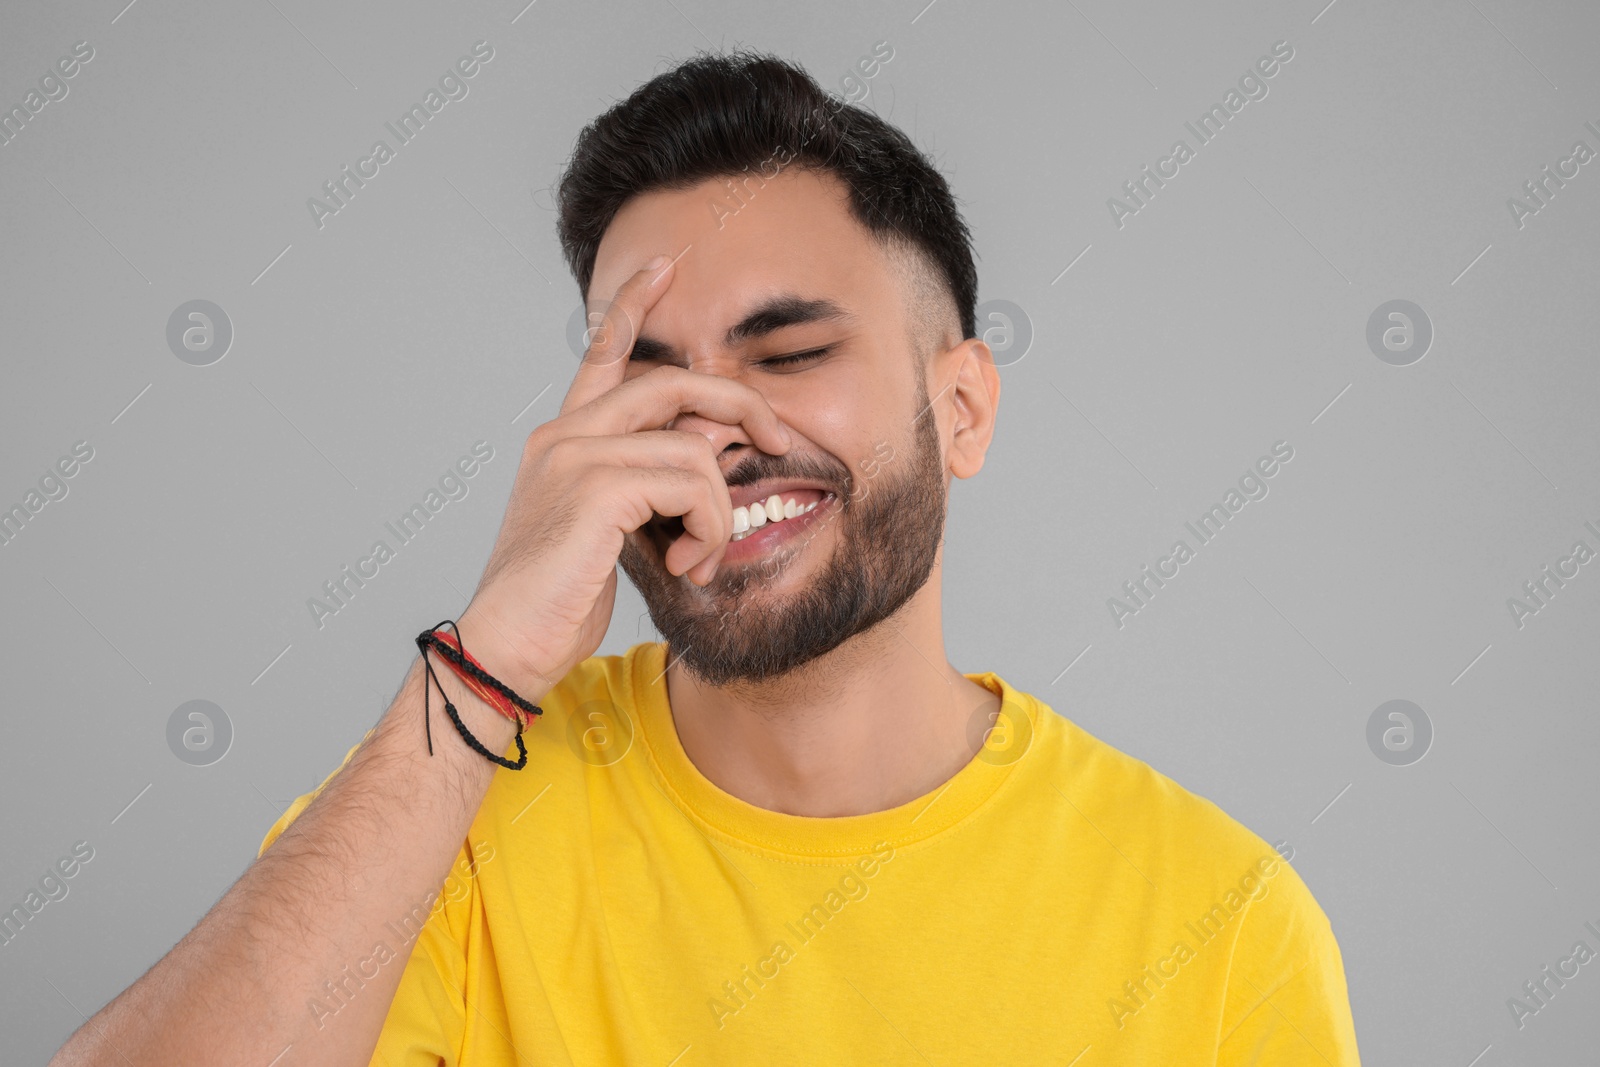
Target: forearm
x,y
374,845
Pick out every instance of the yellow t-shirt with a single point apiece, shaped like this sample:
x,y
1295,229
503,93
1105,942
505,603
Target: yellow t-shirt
x,y
1055,902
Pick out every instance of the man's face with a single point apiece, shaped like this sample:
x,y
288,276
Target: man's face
x,y
860,416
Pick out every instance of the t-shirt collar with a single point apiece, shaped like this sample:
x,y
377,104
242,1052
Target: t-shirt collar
x,y
821,839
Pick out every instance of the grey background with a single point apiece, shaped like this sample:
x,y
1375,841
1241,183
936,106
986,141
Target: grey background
x,y
1228,314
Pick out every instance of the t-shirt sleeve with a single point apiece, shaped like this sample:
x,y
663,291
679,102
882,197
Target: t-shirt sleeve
x,y
1287,1003
303,801
425,1026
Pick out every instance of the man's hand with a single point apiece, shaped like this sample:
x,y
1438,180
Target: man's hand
x,y
593,474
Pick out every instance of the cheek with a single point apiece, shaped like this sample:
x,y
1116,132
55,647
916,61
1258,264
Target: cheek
x,y
859,420
829,429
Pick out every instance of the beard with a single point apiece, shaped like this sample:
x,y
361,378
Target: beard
x,y
735,630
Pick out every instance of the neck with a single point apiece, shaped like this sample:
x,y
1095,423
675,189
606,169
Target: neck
x,y
878,722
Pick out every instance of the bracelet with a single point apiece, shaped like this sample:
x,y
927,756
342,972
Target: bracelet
x,y
472,671
500,702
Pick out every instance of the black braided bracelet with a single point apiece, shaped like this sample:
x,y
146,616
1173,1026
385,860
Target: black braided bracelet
x,y
429,639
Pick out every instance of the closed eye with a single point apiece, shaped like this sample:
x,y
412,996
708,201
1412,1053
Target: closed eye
x,y
798,357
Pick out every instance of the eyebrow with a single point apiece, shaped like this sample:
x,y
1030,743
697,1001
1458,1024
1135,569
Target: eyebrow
x,y
769,316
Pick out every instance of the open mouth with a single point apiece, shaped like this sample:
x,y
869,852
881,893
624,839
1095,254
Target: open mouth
x,y
761,524
775,508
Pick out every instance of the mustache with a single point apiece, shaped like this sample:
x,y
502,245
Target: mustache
x,y
759,466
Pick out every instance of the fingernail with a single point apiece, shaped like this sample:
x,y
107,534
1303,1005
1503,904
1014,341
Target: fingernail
x,y
659,262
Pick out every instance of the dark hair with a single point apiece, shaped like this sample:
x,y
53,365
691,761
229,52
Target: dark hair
x,y
720,115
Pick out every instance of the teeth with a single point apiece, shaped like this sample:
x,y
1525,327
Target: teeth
x,y
747,520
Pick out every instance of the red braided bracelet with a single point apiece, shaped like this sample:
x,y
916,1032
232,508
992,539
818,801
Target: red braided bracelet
x,y
498,701
494,692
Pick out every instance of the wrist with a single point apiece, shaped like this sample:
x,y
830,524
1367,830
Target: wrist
x,y
420,696
488,688
446,778
487,642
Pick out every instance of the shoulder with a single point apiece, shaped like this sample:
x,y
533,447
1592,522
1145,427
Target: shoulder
x,y
1199,855
1149,809
1210,877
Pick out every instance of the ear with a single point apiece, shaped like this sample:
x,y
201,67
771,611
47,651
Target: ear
x,y
973,382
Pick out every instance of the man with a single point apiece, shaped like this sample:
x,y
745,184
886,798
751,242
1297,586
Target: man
x,y
791,832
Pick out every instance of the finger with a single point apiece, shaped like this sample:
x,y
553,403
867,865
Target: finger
x,y
681,449
650,401
685,449
667,490
605,361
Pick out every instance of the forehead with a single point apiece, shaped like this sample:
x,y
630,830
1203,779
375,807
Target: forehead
x,y
793,233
